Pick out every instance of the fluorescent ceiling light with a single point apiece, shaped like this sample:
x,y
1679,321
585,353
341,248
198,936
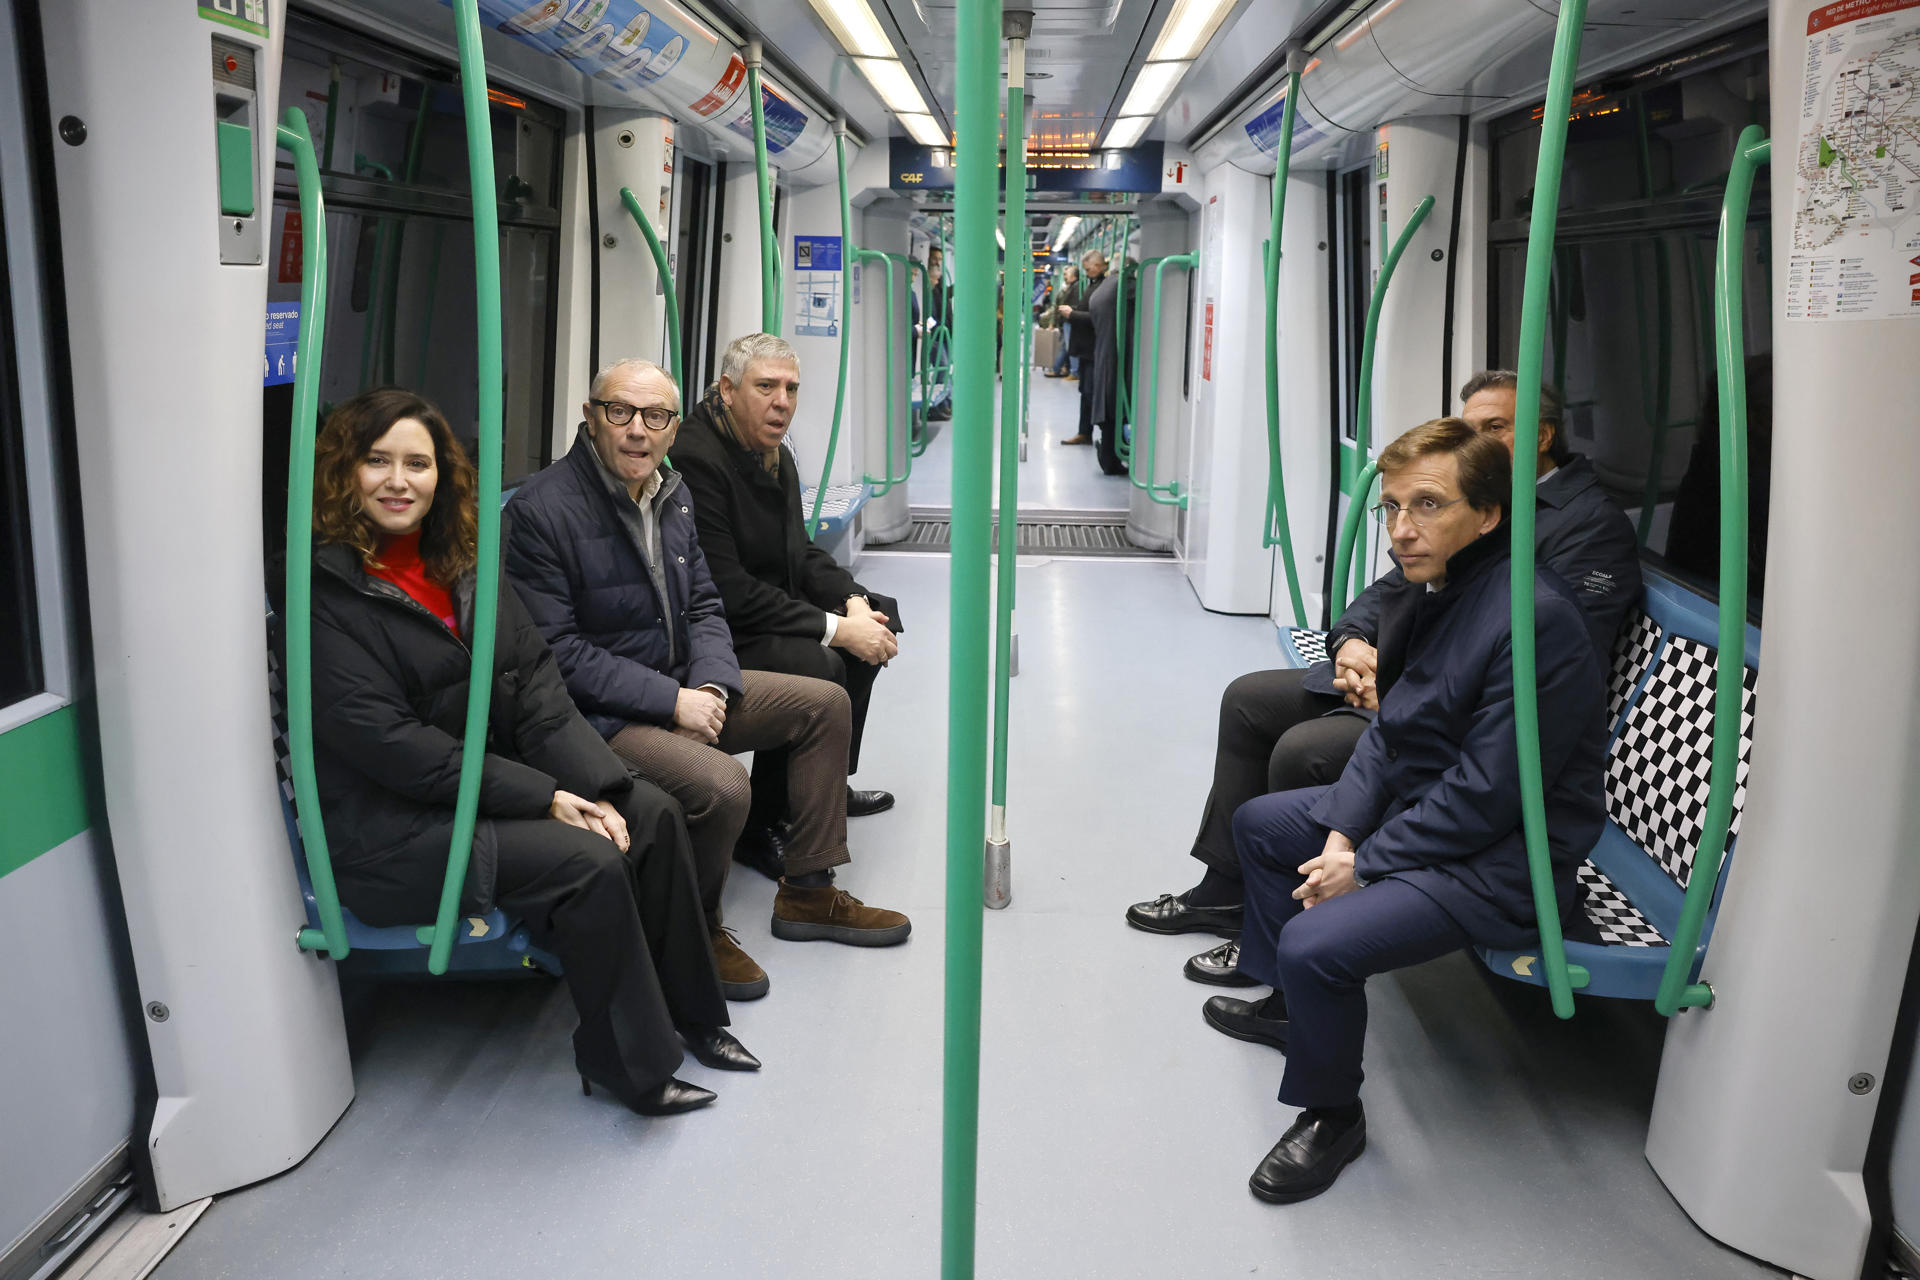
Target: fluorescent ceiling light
x,y
895,87
924,130
1152,87
855,27
1189,27
1127,130
1067,228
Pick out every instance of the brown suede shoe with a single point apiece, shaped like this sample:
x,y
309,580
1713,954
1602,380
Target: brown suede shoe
x,y
834,915
740,977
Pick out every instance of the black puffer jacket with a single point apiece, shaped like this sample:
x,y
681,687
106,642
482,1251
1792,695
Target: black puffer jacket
x,y
389,712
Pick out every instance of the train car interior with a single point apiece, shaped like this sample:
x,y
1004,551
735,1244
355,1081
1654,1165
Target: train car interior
x,y
1091,337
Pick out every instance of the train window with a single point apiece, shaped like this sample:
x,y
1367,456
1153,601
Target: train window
x,y
1630,325
391,138
20,670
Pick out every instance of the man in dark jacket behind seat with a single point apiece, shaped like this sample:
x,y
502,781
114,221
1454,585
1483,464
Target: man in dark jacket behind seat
x,y
1417,850
602,548
791,606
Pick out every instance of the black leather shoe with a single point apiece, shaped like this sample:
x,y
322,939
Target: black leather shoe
x,y
1172,913
862,803
1307,1160
716,1047
1220,967
666,1099
762,848
1244,1020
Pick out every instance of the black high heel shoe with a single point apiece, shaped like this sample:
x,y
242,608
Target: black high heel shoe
x,y
668,1098
716,1047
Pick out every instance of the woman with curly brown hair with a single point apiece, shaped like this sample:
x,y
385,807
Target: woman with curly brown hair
x,y
594,861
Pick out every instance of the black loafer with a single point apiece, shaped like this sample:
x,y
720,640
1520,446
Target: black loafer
x,y
1242,1020
1307,1160
1219,967
716,1047
762,848
1172,913
668,1098
861,804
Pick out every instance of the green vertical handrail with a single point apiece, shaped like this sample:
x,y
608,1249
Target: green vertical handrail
x,y
486,592
1349,534
632,203
1363,400
906,262
923,349
1279,530
884,484
1168,494
977,197
769,251
846,323
1123,399
1729,671
1007,517
331,936
1561,977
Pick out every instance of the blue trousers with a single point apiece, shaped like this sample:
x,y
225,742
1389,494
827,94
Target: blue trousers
x,y
1320,960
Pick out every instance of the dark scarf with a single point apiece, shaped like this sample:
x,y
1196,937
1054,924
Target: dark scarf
x,y
716,409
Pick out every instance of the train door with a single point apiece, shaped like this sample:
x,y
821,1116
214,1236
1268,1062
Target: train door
x,y
1351,219
68,1069
694,193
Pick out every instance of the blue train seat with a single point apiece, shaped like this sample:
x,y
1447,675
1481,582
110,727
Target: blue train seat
x,y
837,509
488,944
1303,647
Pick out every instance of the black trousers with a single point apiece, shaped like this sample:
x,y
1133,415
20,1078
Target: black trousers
x,y
1275,735
628,928
799,656
1107,447
1086,399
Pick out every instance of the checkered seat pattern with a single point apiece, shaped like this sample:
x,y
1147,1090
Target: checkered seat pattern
x,y
1633,653
1304,645
1613,913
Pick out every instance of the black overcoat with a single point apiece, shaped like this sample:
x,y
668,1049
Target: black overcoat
x,y
389,712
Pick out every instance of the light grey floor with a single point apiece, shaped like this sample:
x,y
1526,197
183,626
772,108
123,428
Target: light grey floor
x,y
1117,1130
1053,478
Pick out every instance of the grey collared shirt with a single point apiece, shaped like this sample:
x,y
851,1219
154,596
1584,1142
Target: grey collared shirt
x,y
642,520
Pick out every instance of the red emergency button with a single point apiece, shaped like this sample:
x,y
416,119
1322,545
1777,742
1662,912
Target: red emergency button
x,y
233,63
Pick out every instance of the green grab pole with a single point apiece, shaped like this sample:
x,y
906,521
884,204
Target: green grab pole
x,y
922,346
1123,402
639,215
1749,153
1279,530
486,591
1350,534
331,936
1526,427
889,480
1363,400
976,204
1007,517
846,323
1168,494
769,286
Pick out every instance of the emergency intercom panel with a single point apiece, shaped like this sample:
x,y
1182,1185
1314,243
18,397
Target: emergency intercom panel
x,y
236,139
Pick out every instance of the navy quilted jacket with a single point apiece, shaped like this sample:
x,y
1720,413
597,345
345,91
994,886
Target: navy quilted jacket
x,y
1432,793
581,575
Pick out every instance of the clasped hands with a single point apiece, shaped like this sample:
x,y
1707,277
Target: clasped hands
x,y
601,819
1355,674
1330,874
865,634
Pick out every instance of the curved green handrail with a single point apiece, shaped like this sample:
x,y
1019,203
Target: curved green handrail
x,y
486,592
1168,494
763,179
883,485
1350,534
1279,530
632,203
846,323
977,197
1363,398
1122,332
1007,517
1729,672
1561,977
331,936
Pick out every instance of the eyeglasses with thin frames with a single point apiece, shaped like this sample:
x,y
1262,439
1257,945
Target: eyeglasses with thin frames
x,y
620,413
1420,511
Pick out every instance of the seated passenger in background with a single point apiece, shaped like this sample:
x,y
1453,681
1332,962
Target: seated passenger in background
x,y
1417,850
1290,728
603,549
790,604
595,862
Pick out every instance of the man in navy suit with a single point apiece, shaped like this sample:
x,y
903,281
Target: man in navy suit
x,y
1417,850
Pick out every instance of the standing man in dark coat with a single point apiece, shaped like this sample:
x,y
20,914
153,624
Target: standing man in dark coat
x,y
791,606
1104,397
1417,850
1080,338
1282,729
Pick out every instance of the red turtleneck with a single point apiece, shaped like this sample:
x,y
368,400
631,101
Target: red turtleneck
x,y
401,565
